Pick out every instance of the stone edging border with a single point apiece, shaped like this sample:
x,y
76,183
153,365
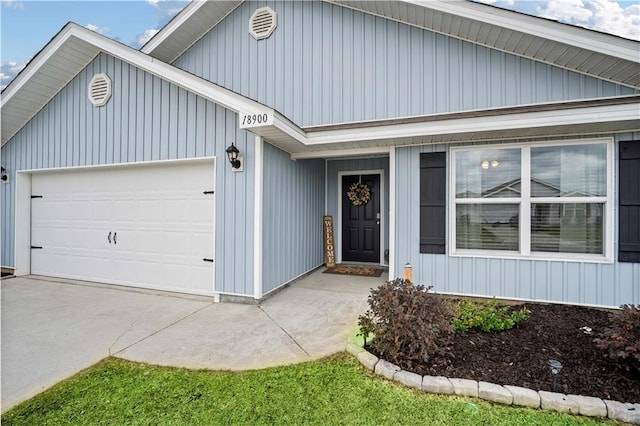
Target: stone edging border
x,y
509,395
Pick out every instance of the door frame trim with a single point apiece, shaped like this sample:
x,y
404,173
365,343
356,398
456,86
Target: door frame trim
x,y
22,242
339,208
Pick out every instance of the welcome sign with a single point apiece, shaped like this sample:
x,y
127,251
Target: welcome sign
x,y
329,246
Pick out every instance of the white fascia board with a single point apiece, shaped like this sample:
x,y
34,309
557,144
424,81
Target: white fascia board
x,y
36,63
181,78
288,127
199,86
187,81
573,116
359,152
166,31
543,28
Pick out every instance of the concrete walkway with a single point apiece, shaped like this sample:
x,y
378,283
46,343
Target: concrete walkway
x,y
53,328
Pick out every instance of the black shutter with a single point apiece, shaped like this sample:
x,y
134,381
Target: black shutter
x,y
629,202
433,183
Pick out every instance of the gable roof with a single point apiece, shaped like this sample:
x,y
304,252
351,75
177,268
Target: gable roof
x,y
74,47
187,27
70,51
589,52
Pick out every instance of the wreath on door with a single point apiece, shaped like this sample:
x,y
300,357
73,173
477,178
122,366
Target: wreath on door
x,y
359,194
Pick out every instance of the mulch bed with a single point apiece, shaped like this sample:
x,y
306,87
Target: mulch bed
x,y
519,356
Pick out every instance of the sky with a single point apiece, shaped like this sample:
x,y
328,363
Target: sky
x,y
26,26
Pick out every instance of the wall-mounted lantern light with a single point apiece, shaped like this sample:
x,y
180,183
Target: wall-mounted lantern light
x,y
4,177
234,158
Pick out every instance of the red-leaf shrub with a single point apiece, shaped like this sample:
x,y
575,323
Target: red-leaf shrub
x,y
410,325
622,340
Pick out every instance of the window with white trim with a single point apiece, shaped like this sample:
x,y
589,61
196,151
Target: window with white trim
x,y
542,200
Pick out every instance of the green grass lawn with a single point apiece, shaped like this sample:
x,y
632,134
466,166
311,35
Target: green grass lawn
x,y
335,390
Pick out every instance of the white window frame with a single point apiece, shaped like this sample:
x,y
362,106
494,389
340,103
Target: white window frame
x,y
525,202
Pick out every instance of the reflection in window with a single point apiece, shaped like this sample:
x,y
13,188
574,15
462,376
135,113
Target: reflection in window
x,y
487,226
567,228
489,173
569,171
565,201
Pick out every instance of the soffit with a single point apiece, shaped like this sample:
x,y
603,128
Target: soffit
x,y
193,22
564,119
577,49
45,81
70,51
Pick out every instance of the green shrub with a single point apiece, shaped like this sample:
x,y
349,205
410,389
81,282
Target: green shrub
x,y
492,316
410,325
622,339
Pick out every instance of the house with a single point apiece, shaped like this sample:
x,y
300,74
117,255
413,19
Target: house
x,y
501,151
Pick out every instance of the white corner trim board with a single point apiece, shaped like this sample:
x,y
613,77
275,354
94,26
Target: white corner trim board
x,y
257,218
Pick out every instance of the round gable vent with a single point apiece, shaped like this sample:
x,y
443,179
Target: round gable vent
x,y
262,23
99,89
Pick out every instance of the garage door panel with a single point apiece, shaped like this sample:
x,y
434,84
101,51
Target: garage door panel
x,y
161,220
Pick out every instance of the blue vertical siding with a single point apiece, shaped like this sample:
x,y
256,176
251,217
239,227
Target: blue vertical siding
x,y
146,119
573,282
293,205
325,63
333,184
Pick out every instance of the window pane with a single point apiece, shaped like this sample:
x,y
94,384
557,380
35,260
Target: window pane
x,y
487,226
569,171
567,228
489,173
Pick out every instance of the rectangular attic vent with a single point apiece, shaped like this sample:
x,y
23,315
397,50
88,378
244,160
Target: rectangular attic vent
x,y
262,23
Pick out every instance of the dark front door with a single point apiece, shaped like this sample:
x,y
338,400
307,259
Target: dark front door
x,y
361,224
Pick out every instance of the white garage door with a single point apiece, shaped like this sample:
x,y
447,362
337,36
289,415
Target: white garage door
x,y
147,225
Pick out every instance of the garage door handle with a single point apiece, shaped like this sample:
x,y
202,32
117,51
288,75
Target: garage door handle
x,y
207,260
114,238
109,237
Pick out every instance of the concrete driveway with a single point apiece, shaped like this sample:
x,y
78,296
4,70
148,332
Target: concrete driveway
x,y
53,328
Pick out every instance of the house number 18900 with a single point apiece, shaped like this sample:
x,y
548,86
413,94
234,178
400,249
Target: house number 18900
x,y
253,119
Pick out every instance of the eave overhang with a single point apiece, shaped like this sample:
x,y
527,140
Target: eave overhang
x,y
588,52
70,51
560,119
187,27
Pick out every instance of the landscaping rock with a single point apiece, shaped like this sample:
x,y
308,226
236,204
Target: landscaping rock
x,y
386,369
354,349
558,402
412,380
437,384
590,406
494,393
465,387
367,359
524,397
629,413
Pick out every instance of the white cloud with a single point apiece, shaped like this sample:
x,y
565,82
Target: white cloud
x,y
11,4
153,2
601,15
8,70
499,3
99,30
141,39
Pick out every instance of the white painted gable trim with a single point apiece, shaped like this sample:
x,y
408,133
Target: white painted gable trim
x,y
73,33
539,27
168,52
178,21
